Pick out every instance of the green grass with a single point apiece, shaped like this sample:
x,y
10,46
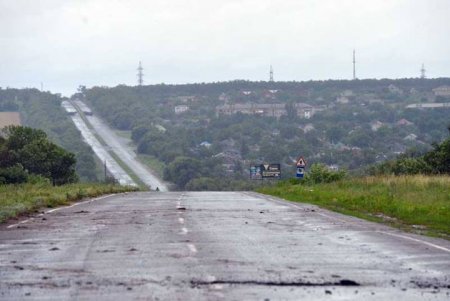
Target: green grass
x,y
129,171
123,134
415,203
154,164
16,200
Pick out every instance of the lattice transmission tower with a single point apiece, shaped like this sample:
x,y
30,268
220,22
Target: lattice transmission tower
x,y
271,74
140,74
422,72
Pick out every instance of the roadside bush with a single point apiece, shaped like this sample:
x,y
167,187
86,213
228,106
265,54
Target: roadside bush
x,y
319,173
439,158
410,166
15,174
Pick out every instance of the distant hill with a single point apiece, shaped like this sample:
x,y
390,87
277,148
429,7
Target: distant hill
x,y
213,132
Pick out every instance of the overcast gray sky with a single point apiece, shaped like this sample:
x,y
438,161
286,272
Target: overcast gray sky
x,y
100,42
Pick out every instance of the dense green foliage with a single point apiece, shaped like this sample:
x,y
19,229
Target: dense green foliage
x,y
28,151
28,198
319,173
436,161
43,110
374,125
409,202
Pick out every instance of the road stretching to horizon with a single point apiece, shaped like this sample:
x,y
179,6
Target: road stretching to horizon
x,y
126,155
214,246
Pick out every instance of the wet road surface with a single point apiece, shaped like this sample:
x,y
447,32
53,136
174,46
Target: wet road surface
x,y
125,154
214,246
101,152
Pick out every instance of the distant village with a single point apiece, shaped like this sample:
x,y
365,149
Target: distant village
x,y
266,103
303,110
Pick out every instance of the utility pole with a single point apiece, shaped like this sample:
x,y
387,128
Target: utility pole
x,y
140,75
354,65
271,74
422,72
106,176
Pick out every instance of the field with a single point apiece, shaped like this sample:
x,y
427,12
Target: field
x,y
419,204
9,118
16,200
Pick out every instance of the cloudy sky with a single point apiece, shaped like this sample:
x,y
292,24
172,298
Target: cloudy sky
x,y
64,44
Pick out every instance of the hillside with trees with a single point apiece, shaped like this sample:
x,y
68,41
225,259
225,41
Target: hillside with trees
x,y
42,110
216,131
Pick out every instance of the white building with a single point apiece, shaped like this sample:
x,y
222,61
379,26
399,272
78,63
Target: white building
x,y
181,109
442,91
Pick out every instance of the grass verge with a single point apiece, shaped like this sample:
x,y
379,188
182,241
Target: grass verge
x,y
123,134
129,171
154,164
16,200
420,204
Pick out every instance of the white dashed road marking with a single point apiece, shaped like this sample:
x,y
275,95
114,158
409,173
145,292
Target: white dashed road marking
x,y
192,248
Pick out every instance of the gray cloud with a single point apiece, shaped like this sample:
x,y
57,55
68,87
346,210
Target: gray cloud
x,y
99,42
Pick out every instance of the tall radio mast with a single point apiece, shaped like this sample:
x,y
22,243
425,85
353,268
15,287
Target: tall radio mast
x,y
422,72
140,75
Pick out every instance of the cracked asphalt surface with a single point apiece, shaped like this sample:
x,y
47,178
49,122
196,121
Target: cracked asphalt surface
x,y
214,246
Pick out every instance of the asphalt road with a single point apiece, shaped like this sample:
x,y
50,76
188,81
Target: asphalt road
x,y
127,156
102,153
214,246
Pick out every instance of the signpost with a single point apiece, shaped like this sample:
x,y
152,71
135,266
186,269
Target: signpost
x,y
301,165
265,171
271,171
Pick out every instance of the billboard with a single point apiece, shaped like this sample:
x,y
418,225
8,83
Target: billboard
x,y
265,171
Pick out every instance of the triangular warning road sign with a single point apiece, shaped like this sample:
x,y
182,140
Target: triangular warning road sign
x,y
301,162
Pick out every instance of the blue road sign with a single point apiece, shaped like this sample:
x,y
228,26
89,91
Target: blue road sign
x,y
300,172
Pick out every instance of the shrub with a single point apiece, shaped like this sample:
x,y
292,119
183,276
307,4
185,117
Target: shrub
x,y
410,166
319,173
15,174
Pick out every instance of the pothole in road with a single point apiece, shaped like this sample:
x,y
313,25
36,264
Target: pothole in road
x,y
343,282
436,284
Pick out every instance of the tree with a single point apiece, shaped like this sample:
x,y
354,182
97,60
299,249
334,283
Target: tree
x,y
182,170
439,158
31,149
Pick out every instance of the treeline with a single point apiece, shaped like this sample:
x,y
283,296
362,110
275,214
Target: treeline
x,y
43,110
26,155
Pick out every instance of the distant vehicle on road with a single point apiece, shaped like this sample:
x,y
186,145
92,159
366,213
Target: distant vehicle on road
x,y
83,107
